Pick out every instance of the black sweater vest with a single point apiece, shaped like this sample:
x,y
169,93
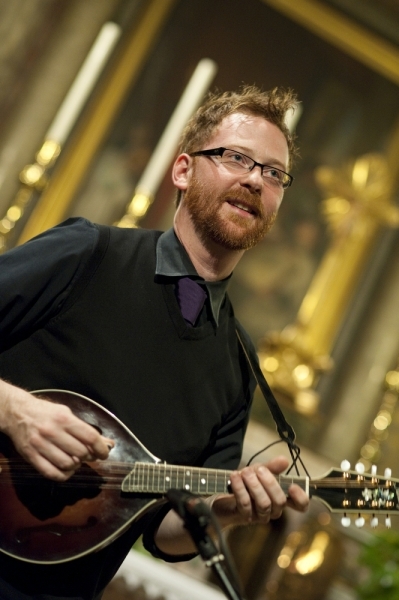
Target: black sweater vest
x,y
121,340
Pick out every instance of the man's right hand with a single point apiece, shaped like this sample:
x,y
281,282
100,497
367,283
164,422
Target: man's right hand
x,y
48,435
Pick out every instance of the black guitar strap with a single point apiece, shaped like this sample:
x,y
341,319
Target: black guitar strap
x,y
284,429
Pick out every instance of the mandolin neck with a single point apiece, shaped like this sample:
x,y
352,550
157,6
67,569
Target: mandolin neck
x,y
158,478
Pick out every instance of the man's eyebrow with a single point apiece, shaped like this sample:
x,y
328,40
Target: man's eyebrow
x,y
273,162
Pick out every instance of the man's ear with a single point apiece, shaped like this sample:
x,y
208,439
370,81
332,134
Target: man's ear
x,y
181,171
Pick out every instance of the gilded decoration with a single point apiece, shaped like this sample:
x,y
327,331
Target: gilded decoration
x,y
33,179
357,204
50,195
371,452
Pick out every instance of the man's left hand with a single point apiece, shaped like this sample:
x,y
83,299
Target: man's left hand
x,y
257,496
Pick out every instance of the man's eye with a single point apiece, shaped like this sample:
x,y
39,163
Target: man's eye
x,y
274,174
234,157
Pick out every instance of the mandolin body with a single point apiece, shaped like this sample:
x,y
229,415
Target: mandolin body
x,y
43,521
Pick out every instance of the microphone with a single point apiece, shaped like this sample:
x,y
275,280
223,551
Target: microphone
x,y
187,505
197,516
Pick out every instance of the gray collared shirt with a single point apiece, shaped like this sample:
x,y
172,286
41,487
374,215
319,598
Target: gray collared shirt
x,y
173,261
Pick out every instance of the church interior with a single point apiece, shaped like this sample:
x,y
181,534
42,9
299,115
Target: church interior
x,y
93,98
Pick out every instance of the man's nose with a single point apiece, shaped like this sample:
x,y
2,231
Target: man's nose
x,y
253,178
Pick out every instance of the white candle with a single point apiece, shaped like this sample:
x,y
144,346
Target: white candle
x,y
84,83
167,145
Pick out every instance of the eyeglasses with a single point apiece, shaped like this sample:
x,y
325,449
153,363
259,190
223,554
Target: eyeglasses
x,y
239,162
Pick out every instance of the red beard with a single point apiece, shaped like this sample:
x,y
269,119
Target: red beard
x,y
235,233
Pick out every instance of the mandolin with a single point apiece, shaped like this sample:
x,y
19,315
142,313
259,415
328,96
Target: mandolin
x,y
48,522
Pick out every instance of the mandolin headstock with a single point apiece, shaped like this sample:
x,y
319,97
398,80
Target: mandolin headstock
x,y
358,493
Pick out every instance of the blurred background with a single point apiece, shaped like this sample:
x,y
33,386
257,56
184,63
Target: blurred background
x,y
87,91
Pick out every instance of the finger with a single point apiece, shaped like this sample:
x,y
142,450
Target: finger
x,y
81,439
94,444
57,447
298,499
267,495
242,497
54,454
48,469
277,465
61,448
277,496
64,430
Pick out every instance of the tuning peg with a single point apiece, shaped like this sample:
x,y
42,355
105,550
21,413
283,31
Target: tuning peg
x,y
374,470
374,522
359,522
345,465
345,521
388,522
388,473
359,468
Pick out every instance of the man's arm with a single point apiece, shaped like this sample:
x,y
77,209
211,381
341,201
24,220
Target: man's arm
x,y
35,279
257,498
48,435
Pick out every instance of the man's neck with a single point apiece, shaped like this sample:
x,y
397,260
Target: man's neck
x,y
211,261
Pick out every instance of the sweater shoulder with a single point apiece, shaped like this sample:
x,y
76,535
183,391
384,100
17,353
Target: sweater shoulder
x,y
131,235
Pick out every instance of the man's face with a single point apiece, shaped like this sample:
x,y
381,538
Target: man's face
x,y
235,210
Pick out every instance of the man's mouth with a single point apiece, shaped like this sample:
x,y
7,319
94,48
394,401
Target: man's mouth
x,y
245,207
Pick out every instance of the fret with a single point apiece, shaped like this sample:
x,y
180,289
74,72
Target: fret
x,y
152,479
227,481
155,479
204,483
195,481
184,475
142,477
137,478
187,479
162,475
168,478
175,477
179,478
285,482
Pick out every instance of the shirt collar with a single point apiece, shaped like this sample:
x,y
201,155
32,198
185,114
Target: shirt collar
x,y
172,260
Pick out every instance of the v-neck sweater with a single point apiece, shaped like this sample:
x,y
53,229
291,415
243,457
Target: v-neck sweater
x,y
119,338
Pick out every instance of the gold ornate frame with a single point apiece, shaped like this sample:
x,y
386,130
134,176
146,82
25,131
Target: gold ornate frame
x,y
352,39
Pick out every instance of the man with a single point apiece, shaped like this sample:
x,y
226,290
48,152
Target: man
x,y
100,311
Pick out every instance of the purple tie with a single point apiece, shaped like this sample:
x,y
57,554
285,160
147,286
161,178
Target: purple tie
x,y
191,298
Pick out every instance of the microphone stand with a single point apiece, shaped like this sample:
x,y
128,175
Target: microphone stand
x,y
196,519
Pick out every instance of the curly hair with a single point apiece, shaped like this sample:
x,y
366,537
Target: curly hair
x,y
272,106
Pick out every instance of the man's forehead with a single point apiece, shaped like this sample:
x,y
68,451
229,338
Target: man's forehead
x,y
234,121
249,132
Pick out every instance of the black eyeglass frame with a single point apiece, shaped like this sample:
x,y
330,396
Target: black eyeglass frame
x,y
221,151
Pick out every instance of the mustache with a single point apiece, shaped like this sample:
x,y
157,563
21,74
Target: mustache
x,y
250,199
